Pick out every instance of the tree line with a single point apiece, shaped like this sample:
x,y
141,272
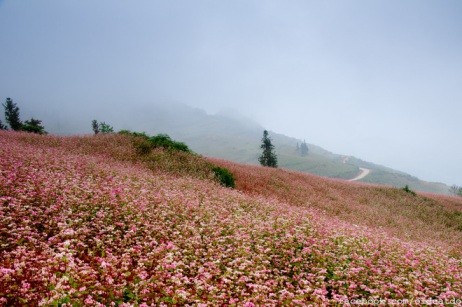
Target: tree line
x,y
101,127
13,119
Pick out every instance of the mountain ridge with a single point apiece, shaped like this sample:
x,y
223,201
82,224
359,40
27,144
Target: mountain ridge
x,y
230,135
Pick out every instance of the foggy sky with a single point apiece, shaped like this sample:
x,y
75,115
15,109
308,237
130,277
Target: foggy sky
x,y
380,80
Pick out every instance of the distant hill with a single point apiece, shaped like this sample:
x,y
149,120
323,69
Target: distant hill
x,y
231,136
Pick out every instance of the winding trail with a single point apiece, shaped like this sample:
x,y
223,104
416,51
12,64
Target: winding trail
x,y
364,173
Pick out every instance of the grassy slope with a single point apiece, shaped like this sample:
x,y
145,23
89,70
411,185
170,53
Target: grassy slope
x,y
387,176
318,161
109,225
400,180
238,139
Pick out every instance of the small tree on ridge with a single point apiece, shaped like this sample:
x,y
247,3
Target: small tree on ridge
x,y
95,126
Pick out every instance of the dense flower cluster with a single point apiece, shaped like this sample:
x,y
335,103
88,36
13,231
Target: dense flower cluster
x,y
87,229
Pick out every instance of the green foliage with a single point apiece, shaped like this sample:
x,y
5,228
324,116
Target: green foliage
x,y
137,134
129,296
101,127
12,114
125,132
268,157
163,140
105,128
145,143
224,176
408,190
34,125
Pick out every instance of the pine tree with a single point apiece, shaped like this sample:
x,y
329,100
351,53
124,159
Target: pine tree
x,y
95,126
12,115
268,157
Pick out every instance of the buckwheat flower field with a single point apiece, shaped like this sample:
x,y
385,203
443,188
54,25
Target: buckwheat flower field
x,y
83,222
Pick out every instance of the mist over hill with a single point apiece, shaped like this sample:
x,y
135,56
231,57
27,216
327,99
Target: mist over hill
x,y
232,136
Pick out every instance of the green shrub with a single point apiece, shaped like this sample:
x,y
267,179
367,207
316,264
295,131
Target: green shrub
x,y
33,125
163,140
144,143
105,128
224,176
408,190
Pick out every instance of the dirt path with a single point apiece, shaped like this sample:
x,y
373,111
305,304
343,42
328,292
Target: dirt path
x,y
364,173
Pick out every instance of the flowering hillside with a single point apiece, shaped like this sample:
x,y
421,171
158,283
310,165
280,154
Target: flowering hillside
x,y
83,221
432,219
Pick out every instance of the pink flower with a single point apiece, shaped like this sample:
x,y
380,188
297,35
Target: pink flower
x,y
89,300
25,285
